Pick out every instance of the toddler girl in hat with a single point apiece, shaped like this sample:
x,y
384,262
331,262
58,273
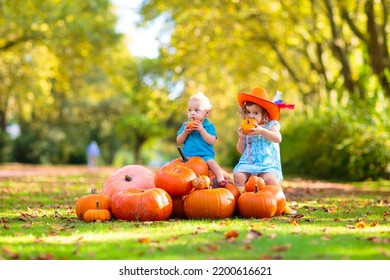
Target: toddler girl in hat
x,y
259,149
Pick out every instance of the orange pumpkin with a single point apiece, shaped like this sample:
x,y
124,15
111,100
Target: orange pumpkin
x,y
257,204
130,176
234,190
201,182
247,124
191,123
279,196
92,215
142,205
196,164
178,207
252,182
175,179
209,203
88,201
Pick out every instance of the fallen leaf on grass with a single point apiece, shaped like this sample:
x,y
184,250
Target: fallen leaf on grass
x,y
253,234
247,247
294,222
376,239
374,224
231,234
329,210
269,257
38,240
45,256
326,237
297,216
281,248
5,225
384,253
325,230
200,229
9,254
271,235
28,225
143,240
208,248
173,238
360,224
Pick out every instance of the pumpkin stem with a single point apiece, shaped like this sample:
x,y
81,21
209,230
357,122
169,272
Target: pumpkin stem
x,y
256,188
97,204
128,178
184,158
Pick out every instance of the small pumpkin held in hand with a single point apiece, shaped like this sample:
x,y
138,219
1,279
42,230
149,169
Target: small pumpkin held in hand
x,y
247,124
191,123
97,214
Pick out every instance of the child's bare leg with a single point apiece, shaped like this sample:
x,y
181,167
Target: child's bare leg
x,y
240,178
216,169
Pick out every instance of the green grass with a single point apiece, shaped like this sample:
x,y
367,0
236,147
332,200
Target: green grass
x,y
37,221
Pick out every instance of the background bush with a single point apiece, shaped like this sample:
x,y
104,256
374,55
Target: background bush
x,y
339,145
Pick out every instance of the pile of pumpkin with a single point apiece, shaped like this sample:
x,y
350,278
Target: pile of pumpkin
x,y
183,188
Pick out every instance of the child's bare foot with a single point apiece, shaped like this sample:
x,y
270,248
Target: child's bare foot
x,y
289,211
223,183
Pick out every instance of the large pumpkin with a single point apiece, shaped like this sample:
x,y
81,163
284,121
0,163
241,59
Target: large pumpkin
x,y
257,204
178,207
196,164
218,203
142,205
279,196
175,179
127,177
88,201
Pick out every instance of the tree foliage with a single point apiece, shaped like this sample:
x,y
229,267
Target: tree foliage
x,y
67,77
324,55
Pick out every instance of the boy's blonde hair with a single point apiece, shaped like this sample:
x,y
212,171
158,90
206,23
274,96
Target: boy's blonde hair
x,y
205,103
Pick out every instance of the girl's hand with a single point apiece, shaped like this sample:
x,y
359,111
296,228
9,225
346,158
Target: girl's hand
x,y
241,134
258,130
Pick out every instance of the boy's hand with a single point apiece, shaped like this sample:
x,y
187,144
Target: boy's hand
x,y
194,125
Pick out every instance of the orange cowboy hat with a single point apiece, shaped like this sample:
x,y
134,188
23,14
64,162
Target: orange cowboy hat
x,y
259,96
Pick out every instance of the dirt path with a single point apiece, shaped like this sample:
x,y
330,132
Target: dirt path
x,y
295,189
18,170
